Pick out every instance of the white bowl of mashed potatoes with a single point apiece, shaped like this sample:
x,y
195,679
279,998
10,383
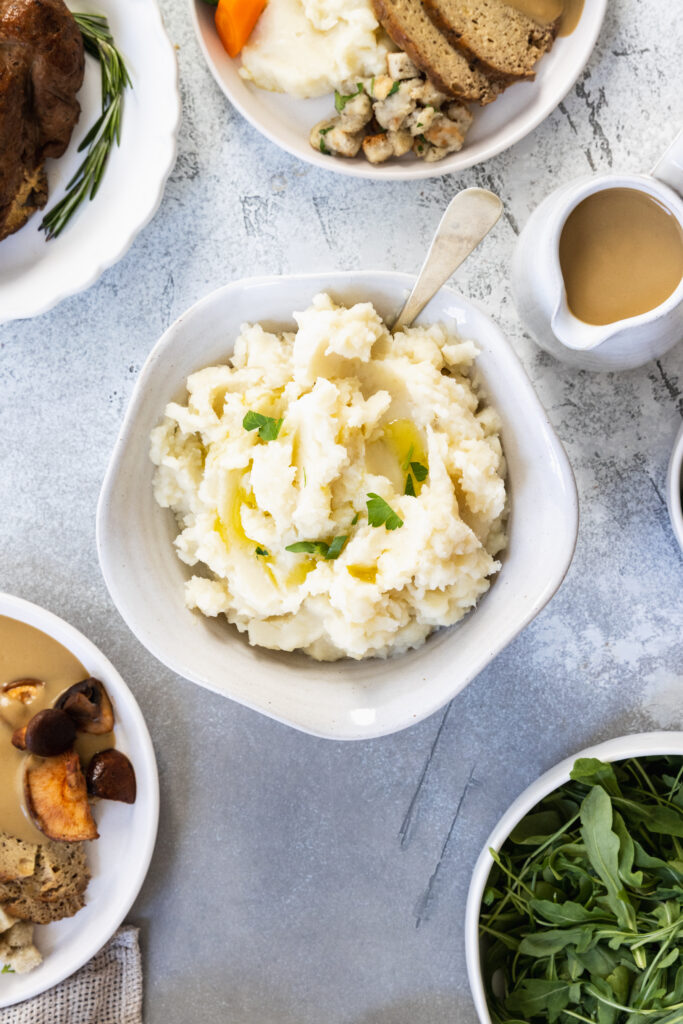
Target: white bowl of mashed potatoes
x,y
514,553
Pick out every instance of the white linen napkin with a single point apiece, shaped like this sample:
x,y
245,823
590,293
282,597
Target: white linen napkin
x,y
107,990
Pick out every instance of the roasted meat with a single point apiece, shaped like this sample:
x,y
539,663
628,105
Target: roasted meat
x,y
41,71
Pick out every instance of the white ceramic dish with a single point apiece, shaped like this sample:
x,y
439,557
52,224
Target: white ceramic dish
x,y
34,274
674,487
119,859
342,700
638,745
287,121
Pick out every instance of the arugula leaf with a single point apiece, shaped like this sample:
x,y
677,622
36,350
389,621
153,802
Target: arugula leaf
x,y
593,772
263,552
382,514
602,845
268,428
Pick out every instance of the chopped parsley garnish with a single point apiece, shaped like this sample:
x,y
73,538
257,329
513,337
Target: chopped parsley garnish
x,y
319,547
340,101
382,514
355,519
419,470
267,427
410,487
324,131
7,969
324,149
393,89
263,552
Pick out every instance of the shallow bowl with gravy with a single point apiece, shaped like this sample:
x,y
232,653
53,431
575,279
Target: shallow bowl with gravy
x,y
343,699
40,646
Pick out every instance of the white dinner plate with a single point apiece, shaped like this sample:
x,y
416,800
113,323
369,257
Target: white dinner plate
x,y
287,121
119,859
35,274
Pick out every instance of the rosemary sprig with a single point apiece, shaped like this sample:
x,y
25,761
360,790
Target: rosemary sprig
x,y
98,41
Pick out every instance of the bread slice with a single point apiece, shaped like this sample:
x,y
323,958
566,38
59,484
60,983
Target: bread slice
x,y
505,40
56,888
408,25
17,858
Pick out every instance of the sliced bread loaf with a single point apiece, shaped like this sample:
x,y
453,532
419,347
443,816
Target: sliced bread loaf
x,y
408,25
504,39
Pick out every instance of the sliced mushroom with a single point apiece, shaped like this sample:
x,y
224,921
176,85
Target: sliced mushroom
x,y
50,732
88,704
16,698
111,776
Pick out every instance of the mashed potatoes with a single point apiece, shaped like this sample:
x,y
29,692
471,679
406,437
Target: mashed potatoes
x,y
310,47
370,455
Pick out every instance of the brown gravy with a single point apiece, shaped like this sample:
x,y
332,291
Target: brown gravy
x,y
26,652
545,11
621,254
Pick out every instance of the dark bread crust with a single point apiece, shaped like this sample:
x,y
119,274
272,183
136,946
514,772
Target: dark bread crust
x,y
458,28
42,64
446,66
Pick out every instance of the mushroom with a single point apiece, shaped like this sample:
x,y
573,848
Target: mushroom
x,y
50,732
111,776
88,704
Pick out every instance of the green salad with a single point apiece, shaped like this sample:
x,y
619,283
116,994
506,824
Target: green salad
x,y
582,915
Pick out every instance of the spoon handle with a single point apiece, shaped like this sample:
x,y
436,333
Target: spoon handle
x,y
468,219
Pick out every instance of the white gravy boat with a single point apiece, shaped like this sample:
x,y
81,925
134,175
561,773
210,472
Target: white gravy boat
x,y
538,285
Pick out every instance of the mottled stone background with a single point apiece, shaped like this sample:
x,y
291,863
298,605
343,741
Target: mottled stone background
x,y
295,880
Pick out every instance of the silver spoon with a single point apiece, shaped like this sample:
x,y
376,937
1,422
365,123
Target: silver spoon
x,y
468,219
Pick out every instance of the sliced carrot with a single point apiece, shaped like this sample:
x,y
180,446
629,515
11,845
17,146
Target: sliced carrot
x,y
235,20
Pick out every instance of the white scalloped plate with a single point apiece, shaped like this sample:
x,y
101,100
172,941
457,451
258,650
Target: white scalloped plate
x,y
34,274
287,121
120,858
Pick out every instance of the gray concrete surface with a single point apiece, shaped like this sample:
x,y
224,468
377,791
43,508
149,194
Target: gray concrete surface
x,y
295,880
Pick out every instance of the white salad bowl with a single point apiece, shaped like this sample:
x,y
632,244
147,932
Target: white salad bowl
x,y
644,744
287,120
674,488
119,859
345,699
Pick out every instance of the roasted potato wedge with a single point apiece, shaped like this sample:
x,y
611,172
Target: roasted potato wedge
x,y
57,799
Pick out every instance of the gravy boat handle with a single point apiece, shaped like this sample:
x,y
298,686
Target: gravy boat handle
x,y
669,167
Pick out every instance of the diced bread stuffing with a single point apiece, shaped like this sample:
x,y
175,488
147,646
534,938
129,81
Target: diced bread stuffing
x,y
391,115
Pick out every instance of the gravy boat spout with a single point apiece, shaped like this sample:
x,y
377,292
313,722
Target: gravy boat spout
x,y
577,335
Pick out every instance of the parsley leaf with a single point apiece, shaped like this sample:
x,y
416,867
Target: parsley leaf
x,y
319,547
393,89
7,969
336,547
410,486
307,547
267,427
382,514
419,470
355,519
406,461
340,101
263,552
